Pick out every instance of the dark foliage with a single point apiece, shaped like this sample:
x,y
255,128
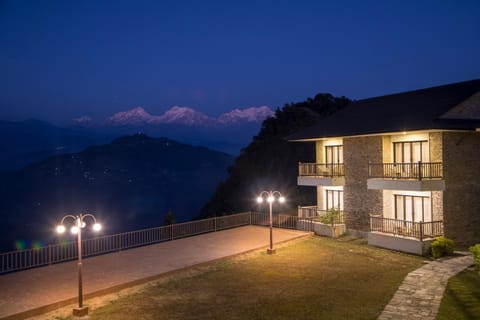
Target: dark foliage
x,y
270,162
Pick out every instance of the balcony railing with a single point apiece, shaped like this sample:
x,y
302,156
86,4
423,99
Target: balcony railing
x,y
407,171
314,212
321,169
419,230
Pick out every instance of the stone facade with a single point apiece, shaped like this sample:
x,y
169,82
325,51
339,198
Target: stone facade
x,y
437,205
359,202
461,198
458,205
436,146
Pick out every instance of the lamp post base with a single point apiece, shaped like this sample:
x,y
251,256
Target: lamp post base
x,y
271,251
81,313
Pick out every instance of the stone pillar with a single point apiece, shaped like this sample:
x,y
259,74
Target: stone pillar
x,y
359,202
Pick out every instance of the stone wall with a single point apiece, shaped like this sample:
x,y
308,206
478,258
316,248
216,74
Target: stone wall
x,y
435,146
461,198
359,202
437,205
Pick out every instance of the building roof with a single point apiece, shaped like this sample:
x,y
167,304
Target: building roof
x,y
451,106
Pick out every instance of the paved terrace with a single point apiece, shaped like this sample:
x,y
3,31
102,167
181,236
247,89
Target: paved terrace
x,y
39,290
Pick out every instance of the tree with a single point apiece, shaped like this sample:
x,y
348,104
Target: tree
x,y
169,218
270,161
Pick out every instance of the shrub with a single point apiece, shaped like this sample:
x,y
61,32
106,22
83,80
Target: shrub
x,y
332,216
475,250
442,246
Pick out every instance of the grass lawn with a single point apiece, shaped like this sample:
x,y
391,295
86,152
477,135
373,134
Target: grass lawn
x,y
462,297
315,278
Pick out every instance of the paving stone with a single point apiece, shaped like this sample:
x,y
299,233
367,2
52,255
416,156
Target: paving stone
x,y
424,288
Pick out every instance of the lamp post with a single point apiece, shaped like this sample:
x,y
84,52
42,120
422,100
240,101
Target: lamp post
x,y
78,225
271,196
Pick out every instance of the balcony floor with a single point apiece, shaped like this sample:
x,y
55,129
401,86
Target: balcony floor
x,y
399,242
314,181
410,185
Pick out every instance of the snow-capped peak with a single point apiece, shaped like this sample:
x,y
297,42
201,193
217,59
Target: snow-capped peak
x,y
184,115
83,121
189,116
252,114
136,116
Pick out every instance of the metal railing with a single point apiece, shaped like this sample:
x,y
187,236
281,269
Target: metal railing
x,y
419,230
66,251
283,221
414,170
322,215
321,169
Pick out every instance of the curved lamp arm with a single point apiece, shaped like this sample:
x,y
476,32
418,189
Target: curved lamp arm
x,y
80,222
271,196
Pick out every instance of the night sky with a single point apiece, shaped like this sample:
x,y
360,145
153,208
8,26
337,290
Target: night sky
x,y
63,59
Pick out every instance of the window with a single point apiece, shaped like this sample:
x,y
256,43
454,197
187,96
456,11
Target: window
x,y
333,154
410,151
333,199
412,208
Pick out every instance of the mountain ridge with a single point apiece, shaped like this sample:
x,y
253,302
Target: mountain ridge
x,y
181,116
129,183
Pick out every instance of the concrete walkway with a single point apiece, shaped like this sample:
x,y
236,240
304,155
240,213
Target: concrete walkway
x,y
35,291
420,294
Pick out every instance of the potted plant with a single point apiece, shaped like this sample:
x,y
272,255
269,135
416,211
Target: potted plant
x,y
330,224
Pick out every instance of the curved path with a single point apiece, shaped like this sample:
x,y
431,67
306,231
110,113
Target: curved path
x,y
420,293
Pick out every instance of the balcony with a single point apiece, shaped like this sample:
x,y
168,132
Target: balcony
x,y
414,176
328,223
315,212
402,235
321,174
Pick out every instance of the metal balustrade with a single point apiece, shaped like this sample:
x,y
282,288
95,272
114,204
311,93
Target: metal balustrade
x,y
419,230
66,251
321,169
322,215
410,171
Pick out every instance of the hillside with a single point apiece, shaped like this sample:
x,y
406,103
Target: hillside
x,y
32,140
130,183
270,162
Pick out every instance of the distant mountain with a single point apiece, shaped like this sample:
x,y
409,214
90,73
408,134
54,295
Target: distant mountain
x,y
29,141
188,116
254,114
229,132
25,142
128,184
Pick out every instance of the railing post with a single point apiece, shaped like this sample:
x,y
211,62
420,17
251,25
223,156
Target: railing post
x,y
49,254
421,230
215,223
419,170
171,231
